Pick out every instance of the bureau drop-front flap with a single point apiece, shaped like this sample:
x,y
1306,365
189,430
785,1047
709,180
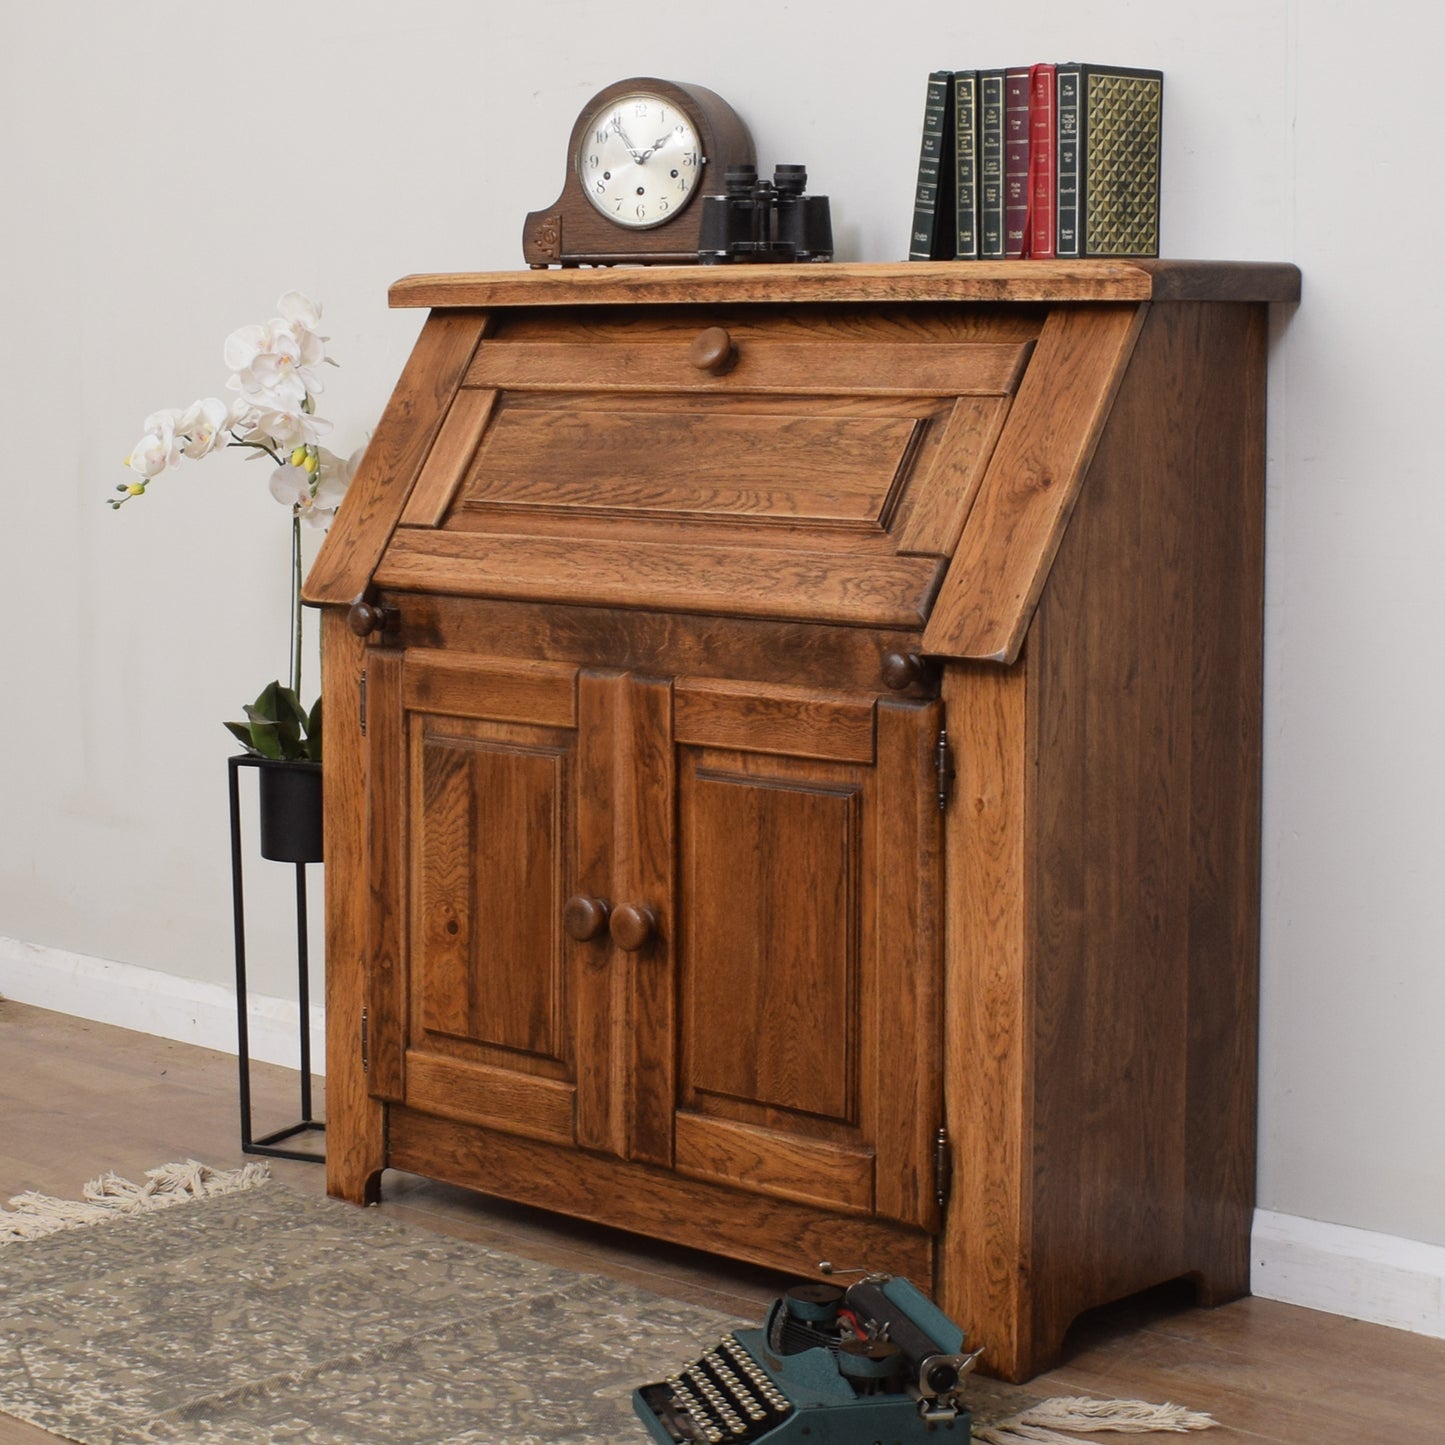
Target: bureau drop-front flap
x,y
712,461
884,447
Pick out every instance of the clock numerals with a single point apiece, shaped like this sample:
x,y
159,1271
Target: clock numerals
x,y
639,169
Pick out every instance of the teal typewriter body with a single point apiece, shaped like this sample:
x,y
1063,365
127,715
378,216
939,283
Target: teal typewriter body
x,y
877,1364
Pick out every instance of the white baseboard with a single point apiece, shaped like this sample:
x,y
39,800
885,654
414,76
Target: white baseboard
x,y
1330,1267
158,1003
1354,1272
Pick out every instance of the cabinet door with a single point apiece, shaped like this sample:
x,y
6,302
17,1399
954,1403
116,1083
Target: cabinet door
x,y
807,946
472,801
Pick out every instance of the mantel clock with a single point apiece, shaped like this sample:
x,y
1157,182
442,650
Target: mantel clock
x,y
640,155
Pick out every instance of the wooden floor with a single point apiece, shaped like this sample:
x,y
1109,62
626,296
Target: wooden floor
x,y
77,1099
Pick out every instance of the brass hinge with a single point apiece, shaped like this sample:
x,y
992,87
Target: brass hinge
x,y
943,766
363,702
942,1168
365,1044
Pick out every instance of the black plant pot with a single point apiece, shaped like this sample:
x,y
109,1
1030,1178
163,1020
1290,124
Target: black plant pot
x,y
290,794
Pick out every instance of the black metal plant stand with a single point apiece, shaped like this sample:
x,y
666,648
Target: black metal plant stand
x,y
270,1144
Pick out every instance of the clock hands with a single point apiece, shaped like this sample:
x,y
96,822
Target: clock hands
x,y
637,155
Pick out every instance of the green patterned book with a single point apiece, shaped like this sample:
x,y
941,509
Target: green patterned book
x,y
1109,120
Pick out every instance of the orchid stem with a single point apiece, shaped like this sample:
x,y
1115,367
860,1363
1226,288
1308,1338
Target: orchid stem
x,y
296,603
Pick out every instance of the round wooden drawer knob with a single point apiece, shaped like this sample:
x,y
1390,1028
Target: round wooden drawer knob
x,y
633,926
901,669
713,351
584,917
365,618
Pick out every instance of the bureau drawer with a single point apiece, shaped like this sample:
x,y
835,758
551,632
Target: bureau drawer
x,y
718,358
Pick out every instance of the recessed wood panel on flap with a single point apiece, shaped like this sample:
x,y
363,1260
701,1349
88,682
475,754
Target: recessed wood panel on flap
x,y
828,469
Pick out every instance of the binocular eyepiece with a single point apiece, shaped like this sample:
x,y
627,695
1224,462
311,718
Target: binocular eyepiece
x,y
759,220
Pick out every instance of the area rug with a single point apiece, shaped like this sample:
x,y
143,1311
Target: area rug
x,y
258,1314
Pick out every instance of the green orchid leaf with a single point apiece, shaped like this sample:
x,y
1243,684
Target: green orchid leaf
x,y
265,736
241,732
313,733
289,709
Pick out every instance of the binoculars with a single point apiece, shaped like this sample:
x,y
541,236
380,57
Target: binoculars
x,y
759,220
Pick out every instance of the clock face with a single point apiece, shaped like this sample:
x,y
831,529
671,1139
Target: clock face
x,y
640,160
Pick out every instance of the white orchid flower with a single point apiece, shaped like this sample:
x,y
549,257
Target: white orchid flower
x,y
203,427
275,365
299,310
158,448
314,497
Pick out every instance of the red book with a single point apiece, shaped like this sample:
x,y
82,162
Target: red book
x,y
1043,163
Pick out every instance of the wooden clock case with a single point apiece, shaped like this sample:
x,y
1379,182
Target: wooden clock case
x,y
572,232
798,795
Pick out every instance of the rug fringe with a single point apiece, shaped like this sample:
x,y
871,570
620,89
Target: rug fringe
x,y
32,1216
1041,1423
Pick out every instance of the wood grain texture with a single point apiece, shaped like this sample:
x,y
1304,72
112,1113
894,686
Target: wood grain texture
x,y
1226,689
1146,812
446,464
355,1147
782,1166
908,918
782,1234
961,281
998,571
794,368
394,457
599,979
946,491
645,857
756,582
790,654
459,685
984,1265
385,872
768,719
771,871
826,469
535,1108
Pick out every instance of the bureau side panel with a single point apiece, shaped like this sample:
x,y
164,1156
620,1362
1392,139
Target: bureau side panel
x,y
1144,731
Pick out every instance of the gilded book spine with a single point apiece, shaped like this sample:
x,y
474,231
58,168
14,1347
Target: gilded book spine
x,y
1015,162
965,171
932,236
990,160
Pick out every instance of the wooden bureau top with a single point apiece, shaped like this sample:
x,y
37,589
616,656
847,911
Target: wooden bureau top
x,y
911,281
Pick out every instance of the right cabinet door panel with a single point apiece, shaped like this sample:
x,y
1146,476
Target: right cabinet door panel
x,y
806,949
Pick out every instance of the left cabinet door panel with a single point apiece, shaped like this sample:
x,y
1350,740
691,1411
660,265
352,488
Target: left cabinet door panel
x,y
473,816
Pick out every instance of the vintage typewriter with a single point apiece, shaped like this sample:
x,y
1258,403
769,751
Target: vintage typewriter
x,y
875,1364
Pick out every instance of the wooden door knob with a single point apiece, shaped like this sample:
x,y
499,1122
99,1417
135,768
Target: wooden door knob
x,y
713,351
901,669
366,617
584,917
632,925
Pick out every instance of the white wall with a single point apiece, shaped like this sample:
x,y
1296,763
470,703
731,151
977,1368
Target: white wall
x,y
169,167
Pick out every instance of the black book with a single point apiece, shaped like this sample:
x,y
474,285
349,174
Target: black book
x,y
933,209
990,164
965,163
1109,120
